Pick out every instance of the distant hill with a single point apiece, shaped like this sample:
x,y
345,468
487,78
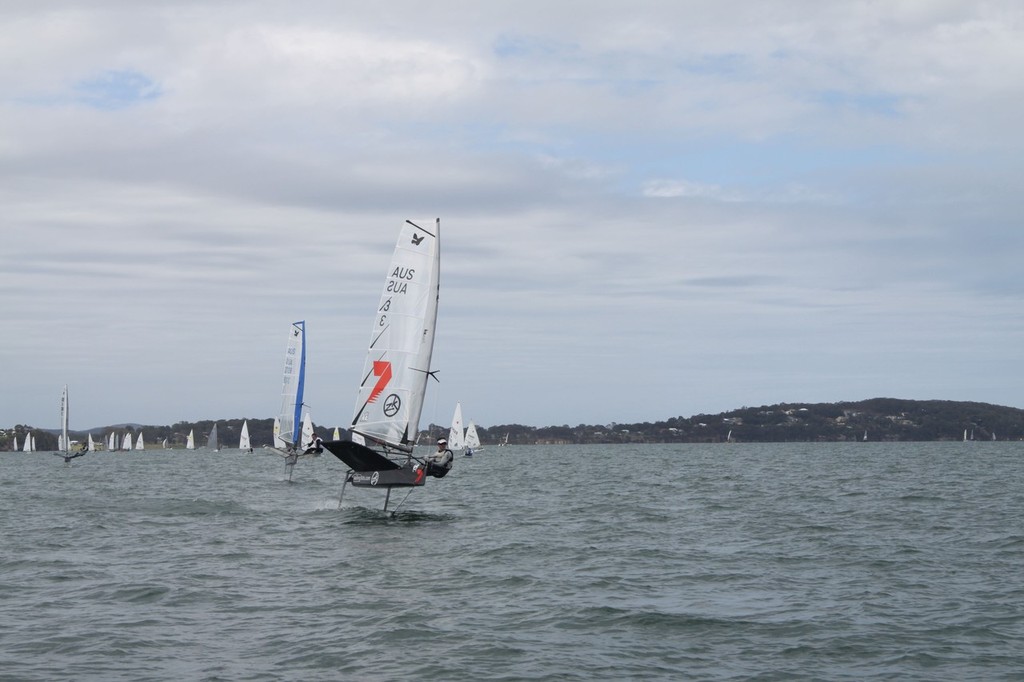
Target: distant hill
x,y
880,419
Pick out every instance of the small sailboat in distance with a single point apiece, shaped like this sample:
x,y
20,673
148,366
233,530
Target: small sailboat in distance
x,y
456,434
380,451
212,442
472,440
64,437
243,439
190,442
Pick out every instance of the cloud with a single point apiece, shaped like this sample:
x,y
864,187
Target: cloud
x,y
647,211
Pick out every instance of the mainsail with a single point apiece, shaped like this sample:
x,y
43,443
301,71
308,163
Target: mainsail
x,y
211,441
294,384
65,444
190,444
243,440
456,434
472,437
397,365
307,431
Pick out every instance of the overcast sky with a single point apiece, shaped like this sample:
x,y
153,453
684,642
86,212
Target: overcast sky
x,y
648,209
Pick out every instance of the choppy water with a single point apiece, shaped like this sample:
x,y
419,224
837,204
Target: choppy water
x,y
703,562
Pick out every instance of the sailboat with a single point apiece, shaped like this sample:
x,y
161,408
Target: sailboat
x,y
288,424
65,441
190,443
29,443
90,445
139,443
472,440
504,442
456,434
126,444
112,442
14,442
211,440
385,425
243,440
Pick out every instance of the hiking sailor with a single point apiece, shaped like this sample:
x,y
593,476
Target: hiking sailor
x,y
440,463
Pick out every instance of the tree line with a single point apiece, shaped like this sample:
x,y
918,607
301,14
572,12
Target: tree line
x,y
877,419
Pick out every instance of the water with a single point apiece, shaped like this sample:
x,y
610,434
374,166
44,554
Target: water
x,y
703,562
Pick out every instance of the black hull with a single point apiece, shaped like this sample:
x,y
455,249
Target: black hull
x,y
370,469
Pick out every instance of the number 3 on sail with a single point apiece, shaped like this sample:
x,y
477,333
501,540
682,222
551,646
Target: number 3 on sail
x,y
379,449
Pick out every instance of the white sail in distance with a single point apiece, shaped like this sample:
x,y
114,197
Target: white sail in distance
x,y
243,440
457,434
65,444
472,437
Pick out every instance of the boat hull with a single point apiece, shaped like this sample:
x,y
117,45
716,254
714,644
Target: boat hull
x,y
370,469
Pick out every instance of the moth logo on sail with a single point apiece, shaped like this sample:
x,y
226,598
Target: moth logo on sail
x,y
399,282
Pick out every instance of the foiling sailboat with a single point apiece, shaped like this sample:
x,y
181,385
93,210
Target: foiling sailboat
x,y
379,451
288,424
65,442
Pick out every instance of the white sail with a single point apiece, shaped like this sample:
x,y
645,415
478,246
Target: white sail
x,y
307,431
14,442
294,384
190,444
278,441
472,439
91,446
456,434
28,443
65,443
139,443
243,440
211,440
337,433
164,443
397,363
126,444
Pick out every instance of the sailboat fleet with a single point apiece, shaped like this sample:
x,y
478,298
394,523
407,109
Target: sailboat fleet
x,y
379,447
467,440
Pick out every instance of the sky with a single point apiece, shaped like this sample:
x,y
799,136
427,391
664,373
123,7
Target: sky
x,y
648,209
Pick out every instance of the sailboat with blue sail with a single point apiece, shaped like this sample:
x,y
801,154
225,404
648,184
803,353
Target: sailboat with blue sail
x,y
287,439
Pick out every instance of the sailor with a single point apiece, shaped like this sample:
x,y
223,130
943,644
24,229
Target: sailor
x,y
440,463
316,446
